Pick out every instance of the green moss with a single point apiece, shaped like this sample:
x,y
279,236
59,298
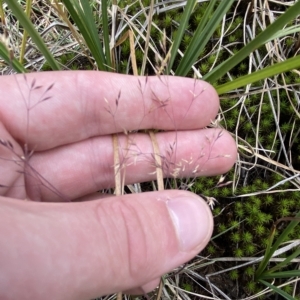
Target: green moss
x,y
125,48
247,126
283,212
225,192
221,227
249,249
235,237
231,123
251,287
259,229
211,249
243,67
232,38
239,213
234,274
216,211
247,237
238,252
204,67
249,271
268,200
187,287
211,59
167,22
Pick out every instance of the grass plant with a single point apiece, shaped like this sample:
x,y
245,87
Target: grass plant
x,y
251,57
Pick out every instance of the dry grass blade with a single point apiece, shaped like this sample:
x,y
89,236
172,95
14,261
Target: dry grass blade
x,y
158,163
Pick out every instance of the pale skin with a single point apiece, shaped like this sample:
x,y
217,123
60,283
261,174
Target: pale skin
x,y
50,249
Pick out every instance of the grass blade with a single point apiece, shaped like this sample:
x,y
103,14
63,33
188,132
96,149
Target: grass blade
x,y
106,32
202,36
284,274
28,26
182,27
289,64
4,53
270,250
283,263
260,40
25,34
277,290
82,15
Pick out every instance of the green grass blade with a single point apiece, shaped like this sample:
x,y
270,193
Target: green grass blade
x,y
25,35
2,12
270,251
284,263
284,274
182,27
260,40
228,229
277,290
286,232
289,64
4,53
105,31
28,26
284,32
267,256
81,14
201,37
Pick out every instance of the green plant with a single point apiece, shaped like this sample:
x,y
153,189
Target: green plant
x,y
262,273
235,237
234,274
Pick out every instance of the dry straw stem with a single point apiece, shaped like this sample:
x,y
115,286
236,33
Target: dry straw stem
x,y
157,157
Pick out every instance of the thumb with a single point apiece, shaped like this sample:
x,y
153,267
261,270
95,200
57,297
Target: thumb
x,y
88,249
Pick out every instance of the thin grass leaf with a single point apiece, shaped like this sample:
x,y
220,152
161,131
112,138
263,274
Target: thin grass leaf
x,y
202,36
286,232
285,32
283,274
277,290
260,40
270,250
230,228
4,53
25,34
82,15
190,5
104,9
2,17
284,263
287,65
266,259
28,26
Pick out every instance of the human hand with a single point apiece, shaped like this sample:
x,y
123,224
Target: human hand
x,y
61,149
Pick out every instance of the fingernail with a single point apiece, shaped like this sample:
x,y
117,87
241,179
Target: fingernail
x,y
192,220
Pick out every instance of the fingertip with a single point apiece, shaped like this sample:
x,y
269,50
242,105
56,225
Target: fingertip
x,y
192,220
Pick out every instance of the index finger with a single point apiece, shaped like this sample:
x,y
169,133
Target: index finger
x,y
66,107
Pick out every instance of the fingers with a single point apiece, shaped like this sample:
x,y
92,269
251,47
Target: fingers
x,y
85,250
87,167
66,107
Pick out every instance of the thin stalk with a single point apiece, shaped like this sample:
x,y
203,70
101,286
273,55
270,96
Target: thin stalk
x,y
105,27
2,16
25,34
